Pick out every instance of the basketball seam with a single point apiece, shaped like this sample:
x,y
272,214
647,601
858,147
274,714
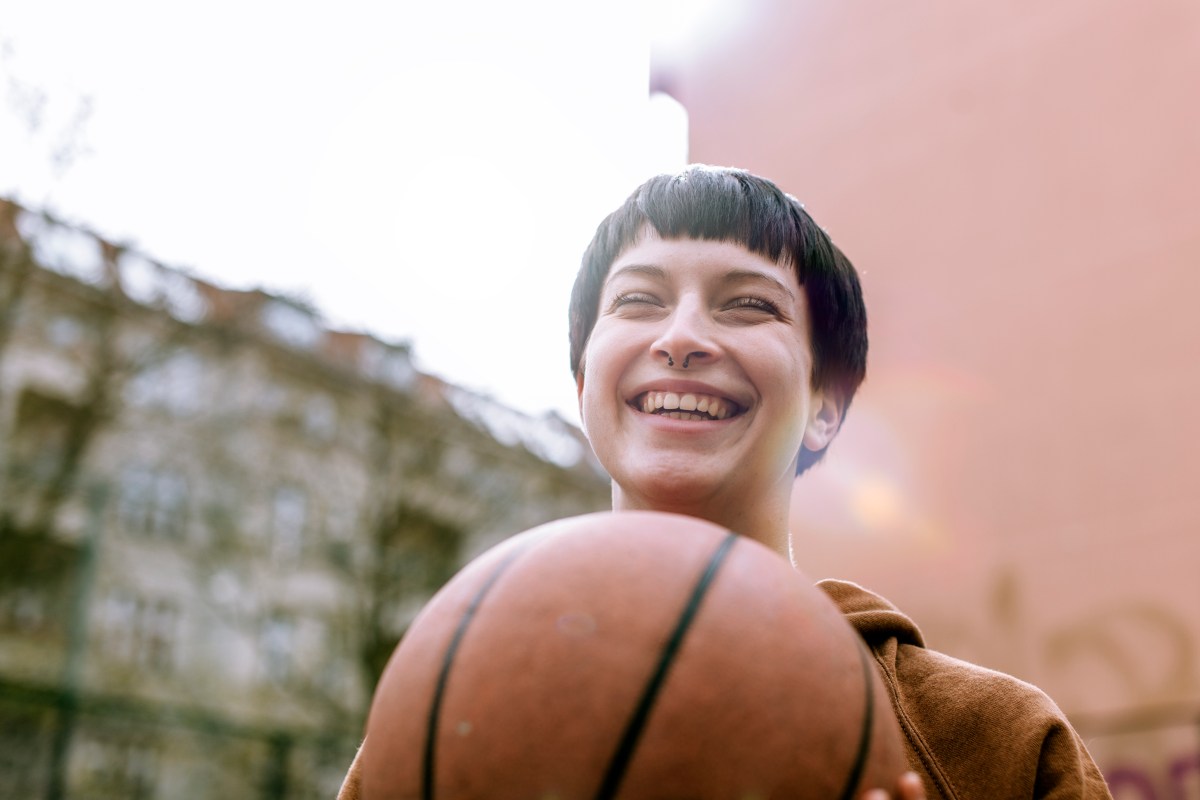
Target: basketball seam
x,y
637,722
429,760
864,739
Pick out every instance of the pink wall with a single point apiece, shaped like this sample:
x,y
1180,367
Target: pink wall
x,y
1020,188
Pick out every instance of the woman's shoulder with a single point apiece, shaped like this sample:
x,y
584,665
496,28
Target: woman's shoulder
x,y
931,686
973,731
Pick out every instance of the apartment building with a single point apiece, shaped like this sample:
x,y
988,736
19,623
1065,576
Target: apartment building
x,y
217,517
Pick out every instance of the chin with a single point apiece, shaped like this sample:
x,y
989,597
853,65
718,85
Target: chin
x,y
682,491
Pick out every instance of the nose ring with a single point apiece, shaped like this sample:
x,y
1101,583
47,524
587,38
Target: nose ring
x,y
686,359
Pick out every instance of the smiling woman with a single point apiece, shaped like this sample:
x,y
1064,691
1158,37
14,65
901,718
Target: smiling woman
x,y
712,289
712,323
713,286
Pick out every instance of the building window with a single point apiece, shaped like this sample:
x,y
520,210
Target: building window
x,y
65,332
140,632
390,365
153,503
23,609
153,285
25,742
277,643
289,514
320,418
45,428
179,385
116,766
291,325
222,511
64,250
37,576
339,529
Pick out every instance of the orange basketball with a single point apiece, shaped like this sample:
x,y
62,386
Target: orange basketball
x,y
629,655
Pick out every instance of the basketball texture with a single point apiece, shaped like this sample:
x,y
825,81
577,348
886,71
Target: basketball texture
x,y
629,655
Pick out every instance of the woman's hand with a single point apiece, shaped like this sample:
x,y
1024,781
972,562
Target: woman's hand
x,y
909,787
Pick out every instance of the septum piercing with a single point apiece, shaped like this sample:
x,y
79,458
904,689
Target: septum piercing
x,y
686,359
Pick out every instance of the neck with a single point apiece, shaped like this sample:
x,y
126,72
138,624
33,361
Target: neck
x,y
765,521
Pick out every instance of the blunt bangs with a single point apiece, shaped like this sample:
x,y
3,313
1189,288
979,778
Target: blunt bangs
x,y
721,205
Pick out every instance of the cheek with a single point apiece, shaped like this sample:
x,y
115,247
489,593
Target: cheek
x,y
780,367
592,388
599,423
600,405
601,361
783,379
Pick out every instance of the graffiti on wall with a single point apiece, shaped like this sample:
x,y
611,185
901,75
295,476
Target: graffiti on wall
x,y
1137,659
1175,778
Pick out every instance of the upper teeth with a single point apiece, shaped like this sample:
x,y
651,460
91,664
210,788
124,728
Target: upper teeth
x,y
715,407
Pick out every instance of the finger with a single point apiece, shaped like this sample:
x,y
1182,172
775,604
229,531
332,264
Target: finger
x,y
911,787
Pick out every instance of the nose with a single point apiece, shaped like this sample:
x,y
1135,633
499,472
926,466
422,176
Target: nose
x,y
688,337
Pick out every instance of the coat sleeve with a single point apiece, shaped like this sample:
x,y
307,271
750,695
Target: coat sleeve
x,y
978,733
1066,769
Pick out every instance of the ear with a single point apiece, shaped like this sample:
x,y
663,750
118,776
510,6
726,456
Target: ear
x,y
824,420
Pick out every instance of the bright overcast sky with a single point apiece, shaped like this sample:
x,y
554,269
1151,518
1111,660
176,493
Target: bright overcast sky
x,y
427,172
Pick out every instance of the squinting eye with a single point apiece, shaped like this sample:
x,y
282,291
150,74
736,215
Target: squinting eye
x,y
755,304
633,298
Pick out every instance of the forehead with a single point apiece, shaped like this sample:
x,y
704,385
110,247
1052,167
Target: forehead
x,y
653,257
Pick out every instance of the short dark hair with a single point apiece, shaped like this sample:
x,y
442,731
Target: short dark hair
x,y
733,205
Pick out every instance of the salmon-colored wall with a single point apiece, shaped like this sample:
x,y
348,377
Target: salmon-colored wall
x,y
1019,186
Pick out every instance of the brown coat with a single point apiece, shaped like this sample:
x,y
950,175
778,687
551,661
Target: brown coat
x,y
971,732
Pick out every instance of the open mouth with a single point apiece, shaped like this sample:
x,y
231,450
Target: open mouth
x,y
686,406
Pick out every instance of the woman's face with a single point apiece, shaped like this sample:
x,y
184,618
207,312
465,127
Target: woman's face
x,y
726,428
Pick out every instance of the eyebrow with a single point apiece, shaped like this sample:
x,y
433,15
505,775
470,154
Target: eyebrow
x,y
648,270
731,277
